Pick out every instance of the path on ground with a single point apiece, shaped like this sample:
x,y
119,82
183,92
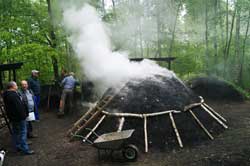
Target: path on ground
x,y
52,147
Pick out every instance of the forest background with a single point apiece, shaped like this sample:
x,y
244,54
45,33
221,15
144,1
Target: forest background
x,y
207,37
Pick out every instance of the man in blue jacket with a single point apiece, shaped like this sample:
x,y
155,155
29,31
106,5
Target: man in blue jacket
x,y
68,84
17,114
34,85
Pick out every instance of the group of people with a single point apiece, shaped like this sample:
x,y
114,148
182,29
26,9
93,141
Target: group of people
x,y
22,106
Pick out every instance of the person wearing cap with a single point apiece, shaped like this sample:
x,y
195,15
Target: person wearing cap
x,y
34,85
68,84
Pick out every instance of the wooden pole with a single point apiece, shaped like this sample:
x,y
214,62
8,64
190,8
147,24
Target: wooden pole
x,y
97,125
201,125
175,130
145,134
121,120
5,118
216,113
217,119
139,115
14,75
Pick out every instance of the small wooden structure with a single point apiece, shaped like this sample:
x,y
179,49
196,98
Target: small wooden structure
x,y
4,121
12,67
163,59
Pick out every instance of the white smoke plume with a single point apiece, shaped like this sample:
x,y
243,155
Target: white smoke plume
x,y
93,47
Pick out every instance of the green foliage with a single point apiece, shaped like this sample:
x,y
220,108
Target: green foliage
x,y
25,35
188,60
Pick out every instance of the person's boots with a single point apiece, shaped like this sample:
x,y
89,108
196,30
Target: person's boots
x,y
60,114
31,135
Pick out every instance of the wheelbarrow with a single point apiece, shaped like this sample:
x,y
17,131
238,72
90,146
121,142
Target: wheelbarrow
x,y
117,141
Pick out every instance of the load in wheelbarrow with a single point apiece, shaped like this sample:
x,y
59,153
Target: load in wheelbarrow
x,y
117,141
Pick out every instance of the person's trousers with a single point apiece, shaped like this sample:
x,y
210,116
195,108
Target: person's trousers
x,y
19,135
37,102
66,94
29,128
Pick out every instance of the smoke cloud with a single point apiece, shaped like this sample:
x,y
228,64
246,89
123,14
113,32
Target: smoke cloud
x,y
89,39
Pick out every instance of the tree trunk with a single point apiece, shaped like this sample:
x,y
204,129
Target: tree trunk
x,y
103,7
171,45
227,13
113,4
227,49
240,80
215,34
237,33
231,34
158,31
236,58
140,37
206,37
52,41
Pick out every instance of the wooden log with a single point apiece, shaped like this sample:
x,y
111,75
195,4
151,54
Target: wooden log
x,y
139,115
216,113
123,114
122,120
217,119
175,130
186,108
162,113
201,125
145,134
96,126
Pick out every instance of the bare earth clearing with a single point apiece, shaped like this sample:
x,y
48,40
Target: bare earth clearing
x,y
53,149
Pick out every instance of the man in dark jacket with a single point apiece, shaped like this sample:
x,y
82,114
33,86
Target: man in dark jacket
x,y
34,85
17,114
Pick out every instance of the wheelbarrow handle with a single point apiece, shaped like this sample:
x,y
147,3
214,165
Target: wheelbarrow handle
x,y
93,132
86,139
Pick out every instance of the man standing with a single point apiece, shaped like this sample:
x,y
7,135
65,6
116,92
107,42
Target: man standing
x,y
68,84
28,99
17,114
34,85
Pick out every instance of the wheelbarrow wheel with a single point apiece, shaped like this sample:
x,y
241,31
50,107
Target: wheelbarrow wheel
x,y
130,152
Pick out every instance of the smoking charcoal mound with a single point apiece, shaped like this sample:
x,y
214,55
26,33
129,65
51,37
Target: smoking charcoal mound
x,y
213,88
156,94
153,94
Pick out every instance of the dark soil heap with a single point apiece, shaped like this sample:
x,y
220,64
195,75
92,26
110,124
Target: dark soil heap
x,y
152,95
213,88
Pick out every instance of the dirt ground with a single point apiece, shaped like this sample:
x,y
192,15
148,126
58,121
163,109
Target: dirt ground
x,y
52,148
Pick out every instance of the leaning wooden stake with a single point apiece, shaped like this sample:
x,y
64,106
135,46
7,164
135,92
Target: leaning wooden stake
x,y
175,130
201,125
216,113
145,134
121,120
97,125
217,119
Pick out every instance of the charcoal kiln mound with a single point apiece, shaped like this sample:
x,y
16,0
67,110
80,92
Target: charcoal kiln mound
x,y
213,88
162,110
153,94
